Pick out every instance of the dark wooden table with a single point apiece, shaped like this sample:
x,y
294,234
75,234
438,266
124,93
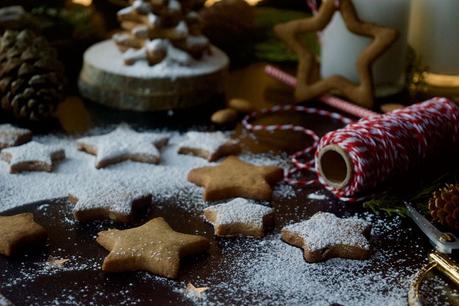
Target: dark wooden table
x,y
91,284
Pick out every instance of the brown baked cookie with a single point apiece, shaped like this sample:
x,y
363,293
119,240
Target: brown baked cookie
x,y
19,232
235,178
324,236
13,136
309,83
115,200
240,217
123,144
211,146
154,247
32,156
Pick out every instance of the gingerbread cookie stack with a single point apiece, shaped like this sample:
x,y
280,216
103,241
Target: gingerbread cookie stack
x,y
161,53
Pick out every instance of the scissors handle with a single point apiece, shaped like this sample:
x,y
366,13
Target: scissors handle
x,y
446,265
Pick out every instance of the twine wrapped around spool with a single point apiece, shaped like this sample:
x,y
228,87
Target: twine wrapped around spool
x,y
351,162
354,160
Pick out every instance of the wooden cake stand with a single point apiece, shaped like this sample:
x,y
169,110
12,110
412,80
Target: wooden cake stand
x,y
105,79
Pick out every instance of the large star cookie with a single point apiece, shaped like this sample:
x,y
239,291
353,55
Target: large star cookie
x,y
235,178
154,247
32,156
13,136
309,86
324,236
239,217
123,144
211,146
110,199
18,232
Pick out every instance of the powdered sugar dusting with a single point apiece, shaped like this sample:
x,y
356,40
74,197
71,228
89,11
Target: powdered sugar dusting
x,y
241,211
77,174
106,57
325,229
269,272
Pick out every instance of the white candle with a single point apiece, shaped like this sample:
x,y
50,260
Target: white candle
x,y
434,34
341,48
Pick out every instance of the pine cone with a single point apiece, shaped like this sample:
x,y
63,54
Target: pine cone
x,y
444,206
31,77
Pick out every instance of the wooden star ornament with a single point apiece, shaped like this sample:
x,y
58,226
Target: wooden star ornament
x,y
236,178
154,247
309,84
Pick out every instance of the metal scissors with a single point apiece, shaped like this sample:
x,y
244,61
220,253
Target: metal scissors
x,y
444,243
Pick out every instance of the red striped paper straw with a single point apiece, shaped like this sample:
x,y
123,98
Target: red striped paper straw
x,y
332,101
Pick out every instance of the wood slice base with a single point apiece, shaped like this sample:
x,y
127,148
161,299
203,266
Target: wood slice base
x,y
105,79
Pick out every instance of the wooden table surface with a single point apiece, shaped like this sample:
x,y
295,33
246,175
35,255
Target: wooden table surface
x,y
250,83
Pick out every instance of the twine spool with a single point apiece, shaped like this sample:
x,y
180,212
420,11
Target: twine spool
x,y
351,162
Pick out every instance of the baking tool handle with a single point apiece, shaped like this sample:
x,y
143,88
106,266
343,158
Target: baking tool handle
x,y
446,265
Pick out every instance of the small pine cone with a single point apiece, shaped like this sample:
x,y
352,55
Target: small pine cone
x,y
31,77
444,206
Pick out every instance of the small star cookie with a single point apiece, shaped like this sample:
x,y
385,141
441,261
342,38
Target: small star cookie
x,y
324,236
13,136
154,247
32,156
123,144
211,146
115,200
18,232
239,217
235,178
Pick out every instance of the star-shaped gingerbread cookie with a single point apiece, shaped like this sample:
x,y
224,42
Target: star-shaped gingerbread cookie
x,y
123,144
324,236
239,217
111,199
13,136
236,178
32,156
18,232
309,85
154,247
211,146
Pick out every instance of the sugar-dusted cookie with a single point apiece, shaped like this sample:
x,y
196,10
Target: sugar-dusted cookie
x,y
13,136
123,144
235,178
19,232
154,247
32,156
111,199
240,217
324,236
211,146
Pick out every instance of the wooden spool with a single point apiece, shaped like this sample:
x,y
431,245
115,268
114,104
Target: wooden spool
x,y
105,79
335,166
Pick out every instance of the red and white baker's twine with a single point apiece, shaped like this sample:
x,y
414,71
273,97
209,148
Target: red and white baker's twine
x,y
378,146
